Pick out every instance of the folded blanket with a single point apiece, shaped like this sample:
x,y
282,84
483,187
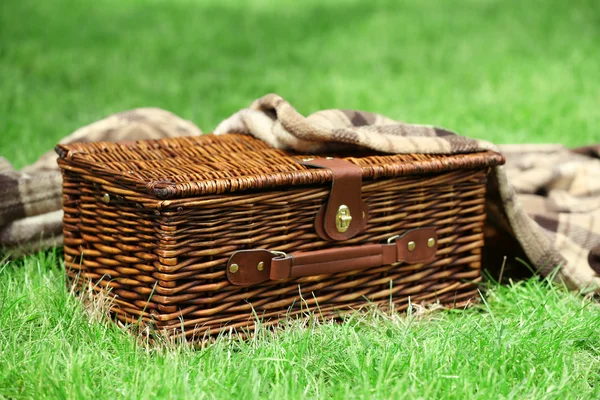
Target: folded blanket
x,y
23,194
31,234
550,211
558,227
560,190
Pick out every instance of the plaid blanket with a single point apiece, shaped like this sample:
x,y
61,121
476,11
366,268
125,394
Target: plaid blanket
x,y
549,213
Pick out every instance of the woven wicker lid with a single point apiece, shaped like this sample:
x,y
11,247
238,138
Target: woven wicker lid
x,y
209,164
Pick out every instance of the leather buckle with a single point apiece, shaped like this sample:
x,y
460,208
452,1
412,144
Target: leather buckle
x,y
345,214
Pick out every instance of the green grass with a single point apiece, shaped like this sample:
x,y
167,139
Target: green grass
x,y
507,71
529,340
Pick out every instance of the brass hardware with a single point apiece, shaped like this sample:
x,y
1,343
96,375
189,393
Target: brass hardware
x,y
307,159
106,198
260,266
343,218
390,240
430,242
233,268
411,246
329,158
279,254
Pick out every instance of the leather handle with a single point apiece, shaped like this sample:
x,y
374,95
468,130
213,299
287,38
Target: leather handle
x,y
250,267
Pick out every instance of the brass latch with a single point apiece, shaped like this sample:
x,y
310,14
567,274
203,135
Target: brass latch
x,y
343,218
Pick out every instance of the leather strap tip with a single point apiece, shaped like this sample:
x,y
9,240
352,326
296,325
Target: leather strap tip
x,y
417,245
249,267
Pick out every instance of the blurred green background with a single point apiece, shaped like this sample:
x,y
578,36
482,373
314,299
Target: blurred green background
x,y
507,71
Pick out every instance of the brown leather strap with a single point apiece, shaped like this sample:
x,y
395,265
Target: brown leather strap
x,y
346,191
250,267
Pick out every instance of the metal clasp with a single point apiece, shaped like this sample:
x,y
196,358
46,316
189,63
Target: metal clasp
x,y
343,218
390,240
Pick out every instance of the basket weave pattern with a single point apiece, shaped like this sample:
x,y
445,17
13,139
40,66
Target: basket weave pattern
x,y
153,225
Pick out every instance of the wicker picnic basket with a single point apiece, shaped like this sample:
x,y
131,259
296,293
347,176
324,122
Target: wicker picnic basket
x,y
195,236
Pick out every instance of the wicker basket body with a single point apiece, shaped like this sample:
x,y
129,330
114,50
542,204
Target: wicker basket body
x,y
153,224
